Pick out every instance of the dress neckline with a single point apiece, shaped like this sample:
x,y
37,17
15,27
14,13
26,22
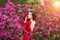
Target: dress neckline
x,y
31,25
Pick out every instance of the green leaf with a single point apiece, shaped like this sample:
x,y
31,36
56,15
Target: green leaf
x,y
19,1
2,3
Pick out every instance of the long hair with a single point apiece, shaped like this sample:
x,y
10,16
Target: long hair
x,y
33,16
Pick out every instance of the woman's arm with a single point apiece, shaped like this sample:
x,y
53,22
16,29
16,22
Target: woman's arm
x,y
25,19
24,16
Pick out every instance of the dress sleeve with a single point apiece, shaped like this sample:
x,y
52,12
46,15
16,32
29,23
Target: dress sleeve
x,y
25,14
23,17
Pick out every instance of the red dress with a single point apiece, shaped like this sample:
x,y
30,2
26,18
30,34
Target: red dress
x,y
26,35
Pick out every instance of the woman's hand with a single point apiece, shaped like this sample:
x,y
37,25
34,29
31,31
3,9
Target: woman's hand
x,y
25,19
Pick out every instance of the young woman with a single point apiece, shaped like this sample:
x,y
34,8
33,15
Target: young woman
x,y
29,24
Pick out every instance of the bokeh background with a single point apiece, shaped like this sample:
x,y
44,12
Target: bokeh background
x,y
47,19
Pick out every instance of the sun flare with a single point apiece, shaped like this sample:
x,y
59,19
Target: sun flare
x,y
56,4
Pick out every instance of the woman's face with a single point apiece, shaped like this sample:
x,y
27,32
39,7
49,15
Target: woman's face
x,y
29,15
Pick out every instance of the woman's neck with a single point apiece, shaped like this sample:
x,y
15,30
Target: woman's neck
x,y
31,19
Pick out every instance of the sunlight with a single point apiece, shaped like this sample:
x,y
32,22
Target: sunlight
x,y
56,4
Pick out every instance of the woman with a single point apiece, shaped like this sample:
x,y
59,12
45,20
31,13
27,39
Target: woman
x,y
29,24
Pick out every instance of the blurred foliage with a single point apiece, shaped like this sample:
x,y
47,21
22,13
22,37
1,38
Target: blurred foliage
x,y
2,3
19,1
25,1
33,2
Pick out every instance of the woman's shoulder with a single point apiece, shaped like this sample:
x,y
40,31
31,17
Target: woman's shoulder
x,y
28,22
34,21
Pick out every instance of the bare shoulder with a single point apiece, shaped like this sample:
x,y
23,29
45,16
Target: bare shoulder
x,y
34,22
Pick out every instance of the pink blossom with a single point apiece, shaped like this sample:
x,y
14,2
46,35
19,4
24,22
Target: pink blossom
x,y
18,6
20,10
40,34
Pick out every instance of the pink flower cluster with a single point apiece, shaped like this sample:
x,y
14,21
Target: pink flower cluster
x,y
10,22
48,21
